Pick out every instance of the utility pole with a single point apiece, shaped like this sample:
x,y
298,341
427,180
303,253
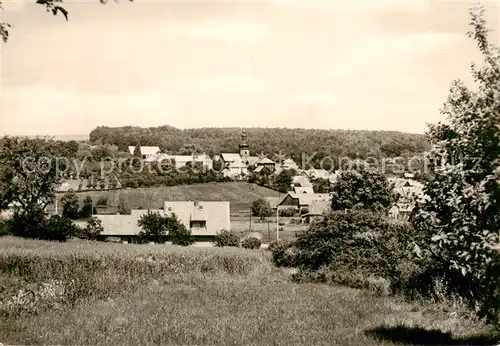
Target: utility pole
x,y
268,232
277,225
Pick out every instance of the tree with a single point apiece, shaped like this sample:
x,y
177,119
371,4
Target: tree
x,y
70,205
50,5
362,189
137,151
87,206
461,216
283,181
154,227
93,229
261,208
179,233
28,174
321,185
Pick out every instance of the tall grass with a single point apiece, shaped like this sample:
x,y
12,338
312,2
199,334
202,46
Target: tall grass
x,y
91,270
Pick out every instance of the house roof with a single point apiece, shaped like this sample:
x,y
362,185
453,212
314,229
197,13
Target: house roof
x,y
145,150
230,157
258,169
301,190
318,207
289,162
302,181
317,173
158,157
252,159
264,161
306,199
123,225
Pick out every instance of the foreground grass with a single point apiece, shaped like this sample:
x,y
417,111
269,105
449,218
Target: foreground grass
x,y
167,295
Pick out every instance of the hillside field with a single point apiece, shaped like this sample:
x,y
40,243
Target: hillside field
x,y
239,194
88,293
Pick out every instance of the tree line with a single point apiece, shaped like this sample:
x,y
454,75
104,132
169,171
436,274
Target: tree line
x,y
290,141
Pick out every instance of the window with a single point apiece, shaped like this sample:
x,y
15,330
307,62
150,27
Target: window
x,y
200,207
169,208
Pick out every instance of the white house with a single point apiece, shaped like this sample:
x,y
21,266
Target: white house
x,y
145,151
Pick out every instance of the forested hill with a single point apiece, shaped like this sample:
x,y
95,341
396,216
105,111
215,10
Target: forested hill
x,y
293,142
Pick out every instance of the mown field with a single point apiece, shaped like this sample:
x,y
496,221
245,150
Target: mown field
x,y
239,194
117,294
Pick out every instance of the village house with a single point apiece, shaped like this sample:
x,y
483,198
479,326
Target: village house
x,y
302,200
302,181
408,190
287,164
145,151
313,174
183,160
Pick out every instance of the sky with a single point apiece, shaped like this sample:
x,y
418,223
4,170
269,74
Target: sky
x,y
333,64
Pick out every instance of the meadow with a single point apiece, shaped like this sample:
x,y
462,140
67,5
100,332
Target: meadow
x,y
83,292
239,194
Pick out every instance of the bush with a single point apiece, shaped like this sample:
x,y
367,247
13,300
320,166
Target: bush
x,y
58,228
87,207
304,211
284,253
70,205
226,238
358,243
251,243
123,208
102,201
287,212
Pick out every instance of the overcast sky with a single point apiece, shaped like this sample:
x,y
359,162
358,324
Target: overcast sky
x,y
341,64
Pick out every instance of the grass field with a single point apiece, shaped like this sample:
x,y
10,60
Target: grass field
x,y
114,294
239,194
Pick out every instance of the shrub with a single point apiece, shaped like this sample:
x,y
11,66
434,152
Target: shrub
x,y
357,242
180,234
284,253
58,228
226,238
87,207
251,243
102,201
123,208
304,211
287,212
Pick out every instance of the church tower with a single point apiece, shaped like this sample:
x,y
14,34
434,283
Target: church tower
x,y
244,150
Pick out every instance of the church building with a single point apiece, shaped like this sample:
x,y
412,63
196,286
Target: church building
x,y
235,165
